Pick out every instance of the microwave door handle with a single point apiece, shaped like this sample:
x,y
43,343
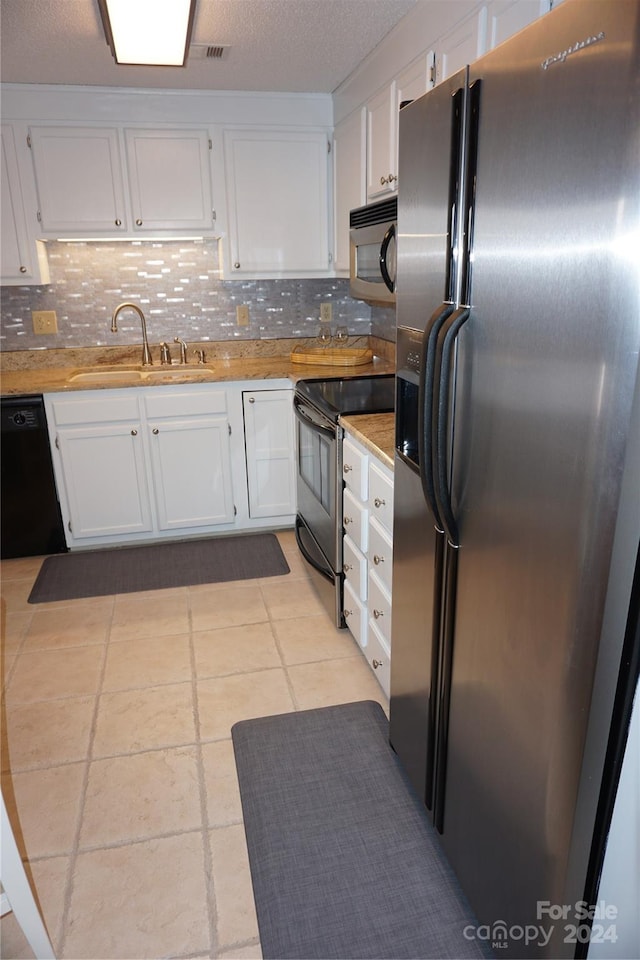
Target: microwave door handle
x,y
384,247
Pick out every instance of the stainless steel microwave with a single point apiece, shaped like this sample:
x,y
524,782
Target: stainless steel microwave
x,y
372,253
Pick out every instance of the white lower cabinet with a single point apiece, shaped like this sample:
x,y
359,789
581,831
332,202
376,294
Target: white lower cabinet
x,y
368,554
156,462
269,438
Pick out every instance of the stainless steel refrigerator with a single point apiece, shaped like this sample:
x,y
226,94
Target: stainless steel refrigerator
x,y
517,474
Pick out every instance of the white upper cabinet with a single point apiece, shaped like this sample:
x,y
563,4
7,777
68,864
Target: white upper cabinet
x,y
169,179
349,146
506,17
277,203
382,172
22,258
462,45
79,180
85,189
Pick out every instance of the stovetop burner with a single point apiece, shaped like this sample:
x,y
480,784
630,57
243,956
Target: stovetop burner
x,y
349,395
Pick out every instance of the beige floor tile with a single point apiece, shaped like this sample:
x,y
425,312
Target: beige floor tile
x,y
135,720
296,598
221,783
48,806
21,568
50,879
334,681
53,674
14,628
152,614
16,594
142,900
223,701
144,663
49,732
235,650
13,943
250,952
215,608
235,905
74,625
305,639
140,796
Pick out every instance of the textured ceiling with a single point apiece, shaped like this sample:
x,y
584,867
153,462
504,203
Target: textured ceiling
x,y
276,45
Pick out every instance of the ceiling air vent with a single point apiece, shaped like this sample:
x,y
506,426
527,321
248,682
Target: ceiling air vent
x,y
209,51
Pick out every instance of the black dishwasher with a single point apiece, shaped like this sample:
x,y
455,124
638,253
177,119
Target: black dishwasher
x,y
30,519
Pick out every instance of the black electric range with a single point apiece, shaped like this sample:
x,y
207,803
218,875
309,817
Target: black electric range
x,y
338,396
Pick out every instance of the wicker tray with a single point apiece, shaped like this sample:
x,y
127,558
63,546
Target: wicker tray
x,y
332,356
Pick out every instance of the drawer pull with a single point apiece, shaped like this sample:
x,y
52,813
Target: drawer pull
x,y
347,467
377,663
134,433
348,613
379,503
347,520
378,613
346,567
155,431
377,560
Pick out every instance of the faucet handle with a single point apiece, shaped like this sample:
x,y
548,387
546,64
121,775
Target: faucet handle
x,y
183,349
165,354
200,355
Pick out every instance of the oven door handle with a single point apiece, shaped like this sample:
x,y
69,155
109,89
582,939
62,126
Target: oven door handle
x,y
326,572
298,409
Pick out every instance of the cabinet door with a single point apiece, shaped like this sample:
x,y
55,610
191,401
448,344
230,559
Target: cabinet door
x,y
506,17
381,149
269,443
464,44
277,202
169,179
411,84
349,160
105,480
79,180
191,472
23,259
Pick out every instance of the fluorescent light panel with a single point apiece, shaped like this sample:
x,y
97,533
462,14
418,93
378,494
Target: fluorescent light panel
x,y
155,32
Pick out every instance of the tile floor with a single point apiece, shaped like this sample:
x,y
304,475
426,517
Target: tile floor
x,y
116,752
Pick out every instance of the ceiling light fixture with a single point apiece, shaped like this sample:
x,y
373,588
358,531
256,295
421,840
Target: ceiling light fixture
x,y
152,32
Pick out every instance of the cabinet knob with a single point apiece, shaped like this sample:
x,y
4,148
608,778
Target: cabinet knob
x,y
383,180
138,223
346,567
155,431
348,613
376,663
377,559
347,467
392,178
236,265
378,502
378,613
134,433
252,399
347,520
23,269
118,223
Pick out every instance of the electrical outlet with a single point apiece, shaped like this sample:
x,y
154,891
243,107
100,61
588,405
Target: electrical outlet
x,y
326,312
44,321
242,315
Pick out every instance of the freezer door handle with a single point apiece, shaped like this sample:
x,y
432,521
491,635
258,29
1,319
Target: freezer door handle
x,y
444,366
471,169
425,406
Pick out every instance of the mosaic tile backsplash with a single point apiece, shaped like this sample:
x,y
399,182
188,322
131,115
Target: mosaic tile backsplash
x,y
177,285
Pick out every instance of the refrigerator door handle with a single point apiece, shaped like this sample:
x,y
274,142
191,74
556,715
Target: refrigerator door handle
x,y
471,171
444,364
425,407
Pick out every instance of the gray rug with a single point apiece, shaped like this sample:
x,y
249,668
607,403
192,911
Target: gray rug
x,y
99,573
344,861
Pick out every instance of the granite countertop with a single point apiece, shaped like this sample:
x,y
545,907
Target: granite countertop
x,y
46,371
375,431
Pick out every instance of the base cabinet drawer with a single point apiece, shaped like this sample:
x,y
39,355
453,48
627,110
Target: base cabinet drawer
x,y
355,469
355,614
378,656
355,520
381,496
380,552
354,565
379,604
